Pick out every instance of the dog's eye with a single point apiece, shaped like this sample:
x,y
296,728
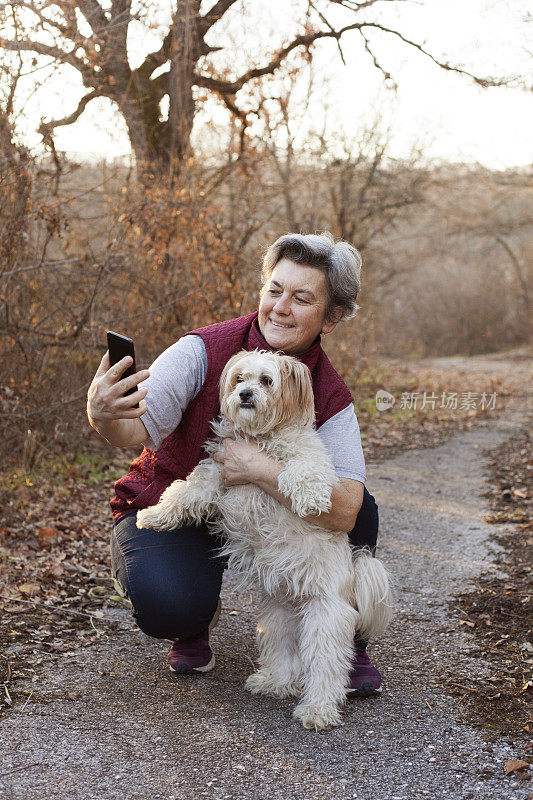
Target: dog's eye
x,y
238,379
266,381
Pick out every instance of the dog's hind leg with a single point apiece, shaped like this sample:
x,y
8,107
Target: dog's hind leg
x,y
326,649
279,661
373,595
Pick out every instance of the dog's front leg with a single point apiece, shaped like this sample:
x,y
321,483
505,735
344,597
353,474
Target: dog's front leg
x,y
307,485
326,648
192,500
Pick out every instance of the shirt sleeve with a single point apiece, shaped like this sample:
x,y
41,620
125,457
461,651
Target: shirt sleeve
x,y
176,377
342,439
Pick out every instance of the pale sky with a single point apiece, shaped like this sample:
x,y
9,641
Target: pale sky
x,y
447,113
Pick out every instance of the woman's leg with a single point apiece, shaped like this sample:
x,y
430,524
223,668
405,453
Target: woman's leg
x,y
172,578
364,679
365,532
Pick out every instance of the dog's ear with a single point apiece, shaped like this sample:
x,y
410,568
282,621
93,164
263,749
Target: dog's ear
x,y
227,370
297,391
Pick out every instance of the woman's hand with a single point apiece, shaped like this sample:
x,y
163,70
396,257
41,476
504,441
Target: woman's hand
x,y
243,462
105,399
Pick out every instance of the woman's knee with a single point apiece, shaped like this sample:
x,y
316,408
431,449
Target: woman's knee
x,y
172,579
176,613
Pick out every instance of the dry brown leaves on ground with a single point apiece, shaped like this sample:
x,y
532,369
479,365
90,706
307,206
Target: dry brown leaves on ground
x,y
54,551
498,611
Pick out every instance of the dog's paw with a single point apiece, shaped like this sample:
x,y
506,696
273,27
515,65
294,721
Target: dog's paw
x,y
259,683
145,518
152,518
304,505
266,683
306,497
317,716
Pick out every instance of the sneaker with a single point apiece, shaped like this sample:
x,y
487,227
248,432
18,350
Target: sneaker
x,y
364,679
193,655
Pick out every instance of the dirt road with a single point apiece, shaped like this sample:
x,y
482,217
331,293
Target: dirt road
x,y
111,721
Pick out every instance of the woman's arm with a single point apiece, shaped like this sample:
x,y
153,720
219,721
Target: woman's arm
x,y
245,463
172,381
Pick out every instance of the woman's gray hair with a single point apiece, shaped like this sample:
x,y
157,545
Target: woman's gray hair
x,y
340,262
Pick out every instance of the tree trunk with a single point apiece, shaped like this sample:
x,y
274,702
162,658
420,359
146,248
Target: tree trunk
x,y
15,185
184,55
162,145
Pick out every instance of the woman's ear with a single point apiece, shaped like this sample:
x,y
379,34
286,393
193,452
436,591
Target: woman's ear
x,y
330,325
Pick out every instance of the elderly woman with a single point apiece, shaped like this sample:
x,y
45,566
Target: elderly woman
x,y
173,578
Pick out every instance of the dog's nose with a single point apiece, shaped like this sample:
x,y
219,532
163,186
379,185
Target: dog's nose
x,y
245,395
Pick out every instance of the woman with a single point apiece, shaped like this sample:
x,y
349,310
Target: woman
x,y
172,578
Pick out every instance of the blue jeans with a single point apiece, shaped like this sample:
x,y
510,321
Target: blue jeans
x,y
173,578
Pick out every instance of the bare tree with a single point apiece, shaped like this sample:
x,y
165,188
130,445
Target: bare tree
x,y
92,38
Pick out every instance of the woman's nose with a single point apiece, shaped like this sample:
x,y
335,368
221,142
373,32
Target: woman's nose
x,y
282,305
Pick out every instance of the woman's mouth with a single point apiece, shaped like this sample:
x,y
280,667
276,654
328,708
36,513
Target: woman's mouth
x,y
279,325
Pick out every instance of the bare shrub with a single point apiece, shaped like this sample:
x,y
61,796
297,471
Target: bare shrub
x,y
107,255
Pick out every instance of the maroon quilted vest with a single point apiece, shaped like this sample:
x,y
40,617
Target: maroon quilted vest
x,y
180,452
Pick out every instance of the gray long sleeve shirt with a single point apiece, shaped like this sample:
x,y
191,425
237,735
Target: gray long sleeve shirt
x,y
176,377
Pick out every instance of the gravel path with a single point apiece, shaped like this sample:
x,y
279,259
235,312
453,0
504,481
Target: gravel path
x,y
118,724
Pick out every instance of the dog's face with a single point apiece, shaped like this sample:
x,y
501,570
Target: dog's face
x,y
261,391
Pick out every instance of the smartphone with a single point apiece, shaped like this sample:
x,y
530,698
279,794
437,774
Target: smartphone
x,y
120,346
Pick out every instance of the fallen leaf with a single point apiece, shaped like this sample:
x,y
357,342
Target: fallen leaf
x,y
47,536
515,766
28,588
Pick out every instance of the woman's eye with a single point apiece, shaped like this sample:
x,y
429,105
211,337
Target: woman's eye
x,y
273,292
301,300
266,381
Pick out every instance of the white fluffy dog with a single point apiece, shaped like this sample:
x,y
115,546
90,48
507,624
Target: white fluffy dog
x,y
317,593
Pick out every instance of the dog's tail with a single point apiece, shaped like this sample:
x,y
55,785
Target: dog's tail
x,y
373,597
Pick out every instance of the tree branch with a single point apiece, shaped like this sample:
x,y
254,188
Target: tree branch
x,y
53,52
303,40
306,40
213,15
387,76
483,82
157,59
66,30
330,26
46,127
93,13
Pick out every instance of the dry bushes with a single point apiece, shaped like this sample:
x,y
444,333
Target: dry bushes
x,y
463,267
152,263
90,249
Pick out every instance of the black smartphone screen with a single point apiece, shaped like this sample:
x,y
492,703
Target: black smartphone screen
x,y
120,346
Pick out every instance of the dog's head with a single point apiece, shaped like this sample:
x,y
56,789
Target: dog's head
x,y
261,391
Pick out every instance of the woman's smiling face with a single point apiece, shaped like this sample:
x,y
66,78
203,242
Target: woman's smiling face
x,y
292,307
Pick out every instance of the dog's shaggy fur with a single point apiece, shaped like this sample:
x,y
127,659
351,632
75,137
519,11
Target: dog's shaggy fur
x,y
317,593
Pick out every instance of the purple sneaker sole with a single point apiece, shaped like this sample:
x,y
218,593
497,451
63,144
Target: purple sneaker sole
x,y
365,690
364,679
192,655
182,668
